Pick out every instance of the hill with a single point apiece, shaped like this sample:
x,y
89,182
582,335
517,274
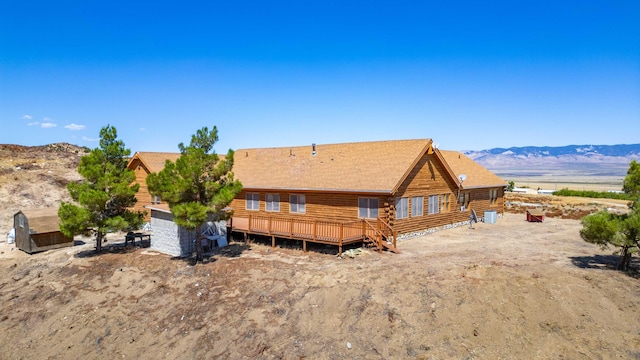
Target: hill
x,y
35,177
587,160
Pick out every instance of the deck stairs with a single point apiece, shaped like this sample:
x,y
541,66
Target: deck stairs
x,y
381,235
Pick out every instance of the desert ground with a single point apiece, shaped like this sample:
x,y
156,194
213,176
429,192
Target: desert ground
x,y
510,290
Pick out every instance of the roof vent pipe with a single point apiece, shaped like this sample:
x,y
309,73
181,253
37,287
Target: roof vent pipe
x,y
313,152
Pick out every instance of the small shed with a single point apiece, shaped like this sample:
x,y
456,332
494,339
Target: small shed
x,y
171,239
39,230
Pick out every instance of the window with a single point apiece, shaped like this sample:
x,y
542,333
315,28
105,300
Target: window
x,y
253,201
21,220
273,202
155,199
368,208
434,204
297,204
402,206
445,202
493,196
463,200
417,204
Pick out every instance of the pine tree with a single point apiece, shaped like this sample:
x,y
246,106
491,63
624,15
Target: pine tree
x,y
199,183
619,230
103,199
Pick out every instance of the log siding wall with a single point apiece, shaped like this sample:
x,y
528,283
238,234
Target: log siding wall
x,y
143,196
325,206
427,178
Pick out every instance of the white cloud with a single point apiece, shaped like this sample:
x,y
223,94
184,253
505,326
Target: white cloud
x,y
47,125
89,139
47,119
74,127
27,117
35,123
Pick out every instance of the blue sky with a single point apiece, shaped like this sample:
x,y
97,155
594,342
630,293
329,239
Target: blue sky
x,y
471,75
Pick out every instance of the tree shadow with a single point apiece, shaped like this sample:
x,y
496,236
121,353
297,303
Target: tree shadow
x,y
232,250
106,249
110,247
606,262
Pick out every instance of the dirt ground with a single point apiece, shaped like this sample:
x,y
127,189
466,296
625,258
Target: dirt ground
x,y
564,207
510,290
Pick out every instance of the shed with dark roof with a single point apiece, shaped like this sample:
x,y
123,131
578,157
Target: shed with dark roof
x,y
39,230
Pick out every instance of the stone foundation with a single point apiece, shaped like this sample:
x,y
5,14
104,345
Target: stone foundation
x,y
411,235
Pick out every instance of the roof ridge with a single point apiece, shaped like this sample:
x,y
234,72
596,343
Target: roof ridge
x,y
157,152
340,143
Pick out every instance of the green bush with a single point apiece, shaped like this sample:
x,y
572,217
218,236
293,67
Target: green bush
x,y
592,194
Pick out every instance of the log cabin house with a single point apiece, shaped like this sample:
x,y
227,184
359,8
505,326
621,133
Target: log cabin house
x,y
347,193
39,230
353,192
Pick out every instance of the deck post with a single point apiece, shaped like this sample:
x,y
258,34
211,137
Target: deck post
x,y
290,227
304,245
249,223
340,239
269,228
315,225
273,241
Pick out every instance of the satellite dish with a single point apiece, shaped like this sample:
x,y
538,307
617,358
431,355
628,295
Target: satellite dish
x,y
462,177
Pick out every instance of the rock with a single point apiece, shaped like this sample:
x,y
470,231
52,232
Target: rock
x,y
348,345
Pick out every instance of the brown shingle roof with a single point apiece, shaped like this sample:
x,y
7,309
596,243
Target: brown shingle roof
x,y
477,175
377,166
43,220
154,161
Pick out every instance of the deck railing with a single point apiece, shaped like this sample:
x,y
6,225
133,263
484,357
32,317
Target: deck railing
x,y
322,231
387,231
309,229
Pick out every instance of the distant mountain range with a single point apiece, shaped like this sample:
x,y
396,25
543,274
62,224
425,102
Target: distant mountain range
x,y
595,160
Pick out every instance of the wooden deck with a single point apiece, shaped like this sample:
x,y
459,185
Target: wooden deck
x,y
317,231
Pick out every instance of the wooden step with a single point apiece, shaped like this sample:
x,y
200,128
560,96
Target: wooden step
x,y
390,247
